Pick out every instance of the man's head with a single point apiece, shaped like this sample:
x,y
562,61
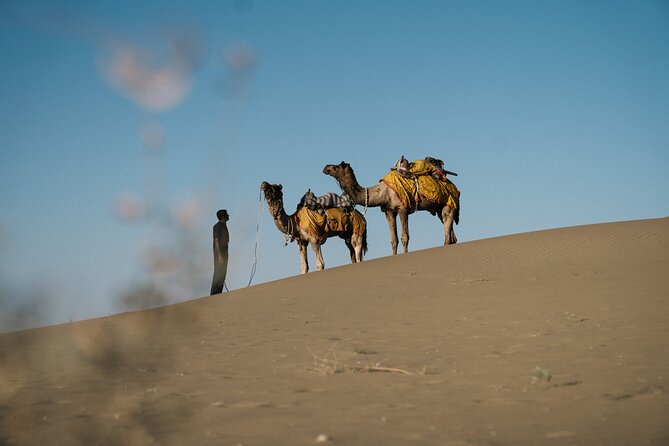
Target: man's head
x,y
222,215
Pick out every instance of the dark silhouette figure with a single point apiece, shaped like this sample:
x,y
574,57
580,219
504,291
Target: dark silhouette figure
x,y
221,239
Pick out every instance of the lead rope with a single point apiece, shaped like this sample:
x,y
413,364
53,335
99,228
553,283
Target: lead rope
x,y
255,253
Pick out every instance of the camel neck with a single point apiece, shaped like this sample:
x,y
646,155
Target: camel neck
x,y
282,220
353,189
365,196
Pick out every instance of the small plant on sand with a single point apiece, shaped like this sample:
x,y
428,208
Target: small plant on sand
x,y
541,375
330,364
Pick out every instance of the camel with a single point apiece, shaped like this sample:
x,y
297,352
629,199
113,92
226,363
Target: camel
x,y
384,196
353,228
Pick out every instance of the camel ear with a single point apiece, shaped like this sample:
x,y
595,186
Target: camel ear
x,y
280,187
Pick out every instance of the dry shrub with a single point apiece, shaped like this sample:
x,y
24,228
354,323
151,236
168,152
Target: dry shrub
x,y
330,364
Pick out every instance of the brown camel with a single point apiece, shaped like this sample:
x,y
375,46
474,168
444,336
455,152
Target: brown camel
x,y
384,196
315,231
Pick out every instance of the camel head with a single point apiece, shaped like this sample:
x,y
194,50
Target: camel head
x,y
338,170
272,191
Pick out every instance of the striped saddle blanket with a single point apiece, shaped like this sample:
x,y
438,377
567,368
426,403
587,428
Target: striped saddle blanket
x,y
326,201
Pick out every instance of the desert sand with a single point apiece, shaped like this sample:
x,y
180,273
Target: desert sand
x,y
557,337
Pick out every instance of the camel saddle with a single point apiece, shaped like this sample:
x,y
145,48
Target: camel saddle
x,y
327,201
425,181
332,220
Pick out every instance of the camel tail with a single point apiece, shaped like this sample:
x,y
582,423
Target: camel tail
x,y
364,241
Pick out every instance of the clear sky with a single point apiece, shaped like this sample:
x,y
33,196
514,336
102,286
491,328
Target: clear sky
x,y
125,125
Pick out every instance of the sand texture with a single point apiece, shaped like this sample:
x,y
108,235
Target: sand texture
x,y
557,337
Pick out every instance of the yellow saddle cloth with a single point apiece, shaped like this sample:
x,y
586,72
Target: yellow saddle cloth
x,y
337,221
429,188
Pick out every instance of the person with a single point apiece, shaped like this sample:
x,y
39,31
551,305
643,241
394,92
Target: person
x,y
221,239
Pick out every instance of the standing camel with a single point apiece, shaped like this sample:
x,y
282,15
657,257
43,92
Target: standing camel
x,y
308,227
392,205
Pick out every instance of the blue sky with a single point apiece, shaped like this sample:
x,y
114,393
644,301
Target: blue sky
x,y
117,145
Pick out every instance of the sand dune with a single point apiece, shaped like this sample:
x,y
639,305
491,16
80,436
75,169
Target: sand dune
x,y
556,337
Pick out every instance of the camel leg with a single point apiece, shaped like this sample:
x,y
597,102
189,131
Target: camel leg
x,y
320,264
351,250
404,220
303,257
357,247
447,214
391,217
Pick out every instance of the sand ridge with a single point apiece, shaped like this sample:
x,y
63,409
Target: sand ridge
x,y
553,337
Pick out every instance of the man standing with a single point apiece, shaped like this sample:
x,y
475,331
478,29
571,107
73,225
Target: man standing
x,y
221,239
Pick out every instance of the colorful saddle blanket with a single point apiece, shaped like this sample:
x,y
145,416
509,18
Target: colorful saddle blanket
x,y
330,222
422,182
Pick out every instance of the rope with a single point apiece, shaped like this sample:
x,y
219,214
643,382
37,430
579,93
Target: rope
x,y
288,235
255,253
364,211
417,197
